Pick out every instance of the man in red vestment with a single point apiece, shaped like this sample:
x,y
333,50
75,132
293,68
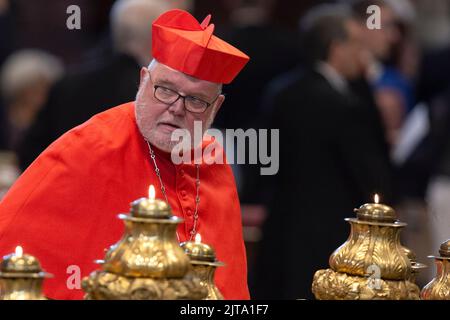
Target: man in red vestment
x,y
64,207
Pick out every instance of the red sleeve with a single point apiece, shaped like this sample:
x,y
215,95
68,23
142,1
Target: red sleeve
x,y
49,210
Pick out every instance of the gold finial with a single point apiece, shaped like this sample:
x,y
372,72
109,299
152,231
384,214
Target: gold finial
x,y
376,212
19,262
198,251
150,207
444,249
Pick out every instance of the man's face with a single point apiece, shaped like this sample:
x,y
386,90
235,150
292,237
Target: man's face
x,y
157,120
349,52
355,49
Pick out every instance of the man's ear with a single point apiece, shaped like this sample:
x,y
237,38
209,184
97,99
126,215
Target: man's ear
x,y
218,103
144,75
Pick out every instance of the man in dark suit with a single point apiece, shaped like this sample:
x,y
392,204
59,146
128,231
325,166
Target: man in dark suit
x,y
98,86
333,158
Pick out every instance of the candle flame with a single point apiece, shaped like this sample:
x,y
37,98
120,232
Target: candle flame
x,y
19,251
198,238
151,192
376,198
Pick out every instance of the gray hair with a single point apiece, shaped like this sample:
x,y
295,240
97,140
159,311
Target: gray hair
x,y
154,62
25,67
318,12
321,26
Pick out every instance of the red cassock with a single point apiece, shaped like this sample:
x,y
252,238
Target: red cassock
x,y
63,209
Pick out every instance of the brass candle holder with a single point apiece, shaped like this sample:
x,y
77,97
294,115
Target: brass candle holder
x,y
147,263
21,277
371,264
439,287
204,262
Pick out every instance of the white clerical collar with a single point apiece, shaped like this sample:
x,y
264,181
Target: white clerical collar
x,y
337,81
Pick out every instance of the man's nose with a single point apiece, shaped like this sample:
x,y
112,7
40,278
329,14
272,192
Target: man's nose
x,y
178,107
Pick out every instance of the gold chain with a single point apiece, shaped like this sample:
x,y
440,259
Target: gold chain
x,y
163,190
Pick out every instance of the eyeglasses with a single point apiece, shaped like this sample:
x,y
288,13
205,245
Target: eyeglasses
x,y
191,104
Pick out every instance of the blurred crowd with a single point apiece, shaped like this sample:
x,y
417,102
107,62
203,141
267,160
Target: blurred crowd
x,y
360,110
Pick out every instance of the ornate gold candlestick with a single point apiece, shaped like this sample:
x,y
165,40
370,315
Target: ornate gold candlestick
x,y
371,264
439,287
147,263
21,277
203,260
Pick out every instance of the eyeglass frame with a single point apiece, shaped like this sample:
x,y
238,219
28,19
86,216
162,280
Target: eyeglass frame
x,y
208,104
155,87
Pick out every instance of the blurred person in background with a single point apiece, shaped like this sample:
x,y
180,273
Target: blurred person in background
x,y
8,161
425,174
433,30
424,182
25,79
438,188
430,161
405,55
331,157
432,23
251,27
432,26
393,90
97,87
392,56
421,75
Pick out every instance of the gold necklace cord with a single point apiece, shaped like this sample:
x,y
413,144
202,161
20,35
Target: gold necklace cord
x,y
163,190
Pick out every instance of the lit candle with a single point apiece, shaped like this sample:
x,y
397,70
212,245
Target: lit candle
x,y
151,192
376,198
19,252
